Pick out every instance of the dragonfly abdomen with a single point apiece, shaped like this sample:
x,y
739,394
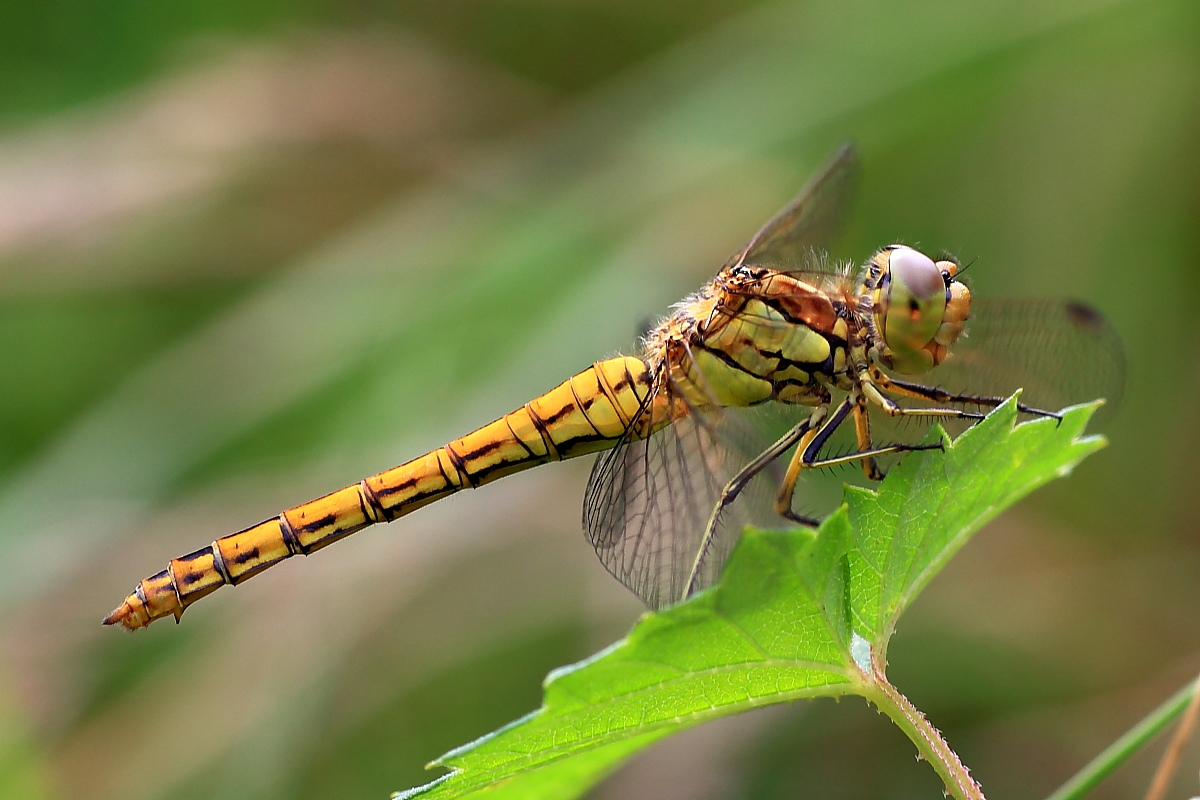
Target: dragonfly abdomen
x,y
589,412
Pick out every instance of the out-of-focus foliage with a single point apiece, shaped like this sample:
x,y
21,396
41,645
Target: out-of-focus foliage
x,y
251,253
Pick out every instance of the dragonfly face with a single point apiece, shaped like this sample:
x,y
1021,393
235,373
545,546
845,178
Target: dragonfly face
x,y
918,307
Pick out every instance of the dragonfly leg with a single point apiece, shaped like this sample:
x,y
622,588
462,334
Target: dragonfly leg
x,y
808,456
862,431
783,498
936,395
875,384
739,481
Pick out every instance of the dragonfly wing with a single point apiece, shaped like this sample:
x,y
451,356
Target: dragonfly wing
x,y
796,237
1059,352
648,503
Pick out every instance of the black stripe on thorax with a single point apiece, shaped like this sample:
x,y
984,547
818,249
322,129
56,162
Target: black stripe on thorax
x,y
825,367
794,383
730,362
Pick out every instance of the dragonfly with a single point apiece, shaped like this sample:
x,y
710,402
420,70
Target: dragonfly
x,y
682,463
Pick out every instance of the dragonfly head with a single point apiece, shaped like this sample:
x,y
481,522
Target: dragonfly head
x,y
919,308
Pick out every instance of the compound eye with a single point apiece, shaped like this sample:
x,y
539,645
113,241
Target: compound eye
x,y
915,275
913,307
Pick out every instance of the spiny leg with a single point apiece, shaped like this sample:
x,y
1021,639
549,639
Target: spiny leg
x,y
871,386
739,481
936,395
807,456
783,497
862,432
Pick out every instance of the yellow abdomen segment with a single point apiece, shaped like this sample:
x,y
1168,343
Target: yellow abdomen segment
x,y
586,413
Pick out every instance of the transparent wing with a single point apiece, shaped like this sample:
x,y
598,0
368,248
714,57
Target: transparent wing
x,y
797,237
648,503
1060,352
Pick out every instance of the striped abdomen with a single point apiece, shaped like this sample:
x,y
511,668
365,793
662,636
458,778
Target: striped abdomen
x,y
586,413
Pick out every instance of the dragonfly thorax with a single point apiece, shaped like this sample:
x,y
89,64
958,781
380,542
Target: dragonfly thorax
x,y
756,334
918,308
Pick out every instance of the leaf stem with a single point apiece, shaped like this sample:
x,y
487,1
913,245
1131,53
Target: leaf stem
x,y
1119,751
931,745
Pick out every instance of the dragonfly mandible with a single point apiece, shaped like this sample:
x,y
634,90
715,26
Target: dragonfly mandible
x,y
680,468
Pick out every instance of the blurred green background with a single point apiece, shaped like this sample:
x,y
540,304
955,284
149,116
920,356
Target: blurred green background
x,y
252,252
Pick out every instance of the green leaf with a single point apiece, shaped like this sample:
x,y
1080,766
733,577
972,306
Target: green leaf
x,y
795,615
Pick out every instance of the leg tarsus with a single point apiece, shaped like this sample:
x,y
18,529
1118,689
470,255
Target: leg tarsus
x,y
935,395
1038,412
801,519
